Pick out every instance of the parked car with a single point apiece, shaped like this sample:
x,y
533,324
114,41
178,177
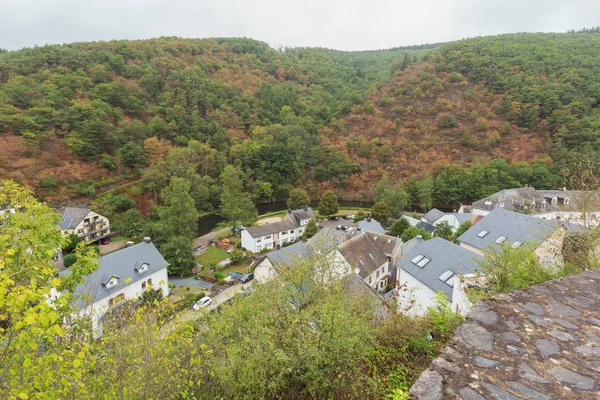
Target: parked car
x,y
239,228
333,218
339,227
351,216
203,302
247,278
344,228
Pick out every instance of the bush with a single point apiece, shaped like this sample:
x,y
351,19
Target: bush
x,y
69,260
151,295
237,256
48,182
108,163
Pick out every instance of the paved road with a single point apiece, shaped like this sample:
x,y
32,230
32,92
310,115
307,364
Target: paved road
x,y
190,314
202,241
191,282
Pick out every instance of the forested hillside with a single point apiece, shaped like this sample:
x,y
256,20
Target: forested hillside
x,y
78,117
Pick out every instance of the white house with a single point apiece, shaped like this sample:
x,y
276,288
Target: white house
x,y
502,226
273,235
436,217
576,206
431,266
121,276
85,223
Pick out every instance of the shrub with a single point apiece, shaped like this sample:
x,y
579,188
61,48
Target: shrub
x,y
447,121
108,163
48,182
237,256
69,260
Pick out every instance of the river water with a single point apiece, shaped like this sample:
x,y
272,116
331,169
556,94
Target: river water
x,y
207,223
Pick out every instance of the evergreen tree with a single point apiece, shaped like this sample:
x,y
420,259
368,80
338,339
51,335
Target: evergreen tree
x,y
328,204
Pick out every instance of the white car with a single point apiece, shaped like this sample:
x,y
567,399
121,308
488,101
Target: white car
x,y
351,216
203,302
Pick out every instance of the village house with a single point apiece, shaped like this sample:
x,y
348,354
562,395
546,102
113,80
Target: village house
x,y
575,206
85,223
435,217
515,229
431,266
373,255
274,235
121,276
371,225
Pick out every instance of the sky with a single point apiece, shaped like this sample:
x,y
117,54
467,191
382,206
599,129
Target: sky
x,y
337,24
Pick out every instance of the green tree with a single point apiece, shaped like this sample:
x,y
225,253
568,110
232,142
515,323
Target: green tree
x,y
398,227
424,189
69,259
236,204
178,214
310,230
179,254
328,204
298,198
381,212
29,321
412,232
72,241
360,215
443,230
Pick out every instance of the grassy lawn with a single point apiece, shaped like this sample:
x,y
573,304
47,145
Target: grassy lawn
x,y
345,211
118,238
181,291
225,234
212,256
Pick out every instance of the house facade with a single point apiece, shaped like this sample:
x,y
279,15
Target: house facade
x,y
432,266
274,235
85,223
121,276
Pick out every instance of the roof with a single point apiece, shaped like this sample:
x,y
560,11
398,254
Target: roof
x,y
371,225
327,239
539,343
301,214
72,216
433,215
412,221
271,228
425,226
444,256
363,253
122,264
407,246
514,227
461,217
388,244
289,255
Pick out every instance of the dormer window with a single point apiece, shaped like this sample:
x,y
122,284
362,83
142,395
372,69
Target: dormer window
x,y
554,200
566,200
141,267
113,281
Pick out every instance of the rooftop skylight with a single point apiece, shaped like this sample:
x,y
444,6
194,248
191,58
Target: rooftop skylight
x,y
482,234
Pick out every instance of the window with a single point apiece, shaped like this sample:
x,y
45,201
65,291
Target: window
x,y
448,278
482,234
423,262
382,284
144,285
112,282
370,279
292,231
258,240
501,239
566,200
284,233
268,237
417,259
501,205
487,203
377,274
150,281
142,268
516,244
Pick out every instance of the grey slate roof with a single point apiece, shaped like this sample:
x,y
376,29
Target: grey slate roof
x,y
271,228
301,214
462,217
412,221
371,225
537,343
426,226
408,246
515,227
433,215
71,216
122,264
363,253
289,255
444,256
327,239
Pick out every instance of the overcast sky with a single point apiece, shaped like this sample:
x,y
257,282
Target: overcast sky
x,y
344,25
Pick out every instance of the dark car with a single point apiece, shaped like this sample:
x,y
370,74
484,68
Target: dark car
x,y
333,218
247,278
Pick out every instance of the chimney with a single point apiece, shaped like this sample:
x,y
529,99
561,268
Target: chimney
x,y
419,236
147,239
368,219
129,243
526,185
